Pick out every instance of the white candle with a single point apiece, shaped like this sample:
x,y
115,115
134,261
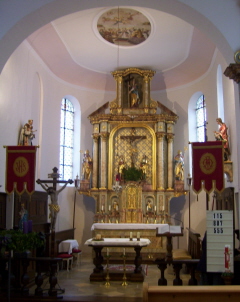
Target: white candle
x,y
138,234
117,208
147,208
124,251
107,251
155,208
130,234
102,208
109,208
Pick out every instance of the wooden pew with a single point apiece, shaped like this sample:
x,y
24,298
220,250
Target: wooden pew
x,y
191,293
189,256
194,247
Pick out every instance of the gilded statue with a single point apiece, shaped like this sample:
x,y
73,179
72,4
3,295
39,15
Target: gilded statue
x,y
86,165
179,166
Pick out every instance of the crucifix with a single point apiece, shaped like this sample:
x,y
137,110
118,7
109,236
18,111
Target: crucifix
x,y
133,140
53,193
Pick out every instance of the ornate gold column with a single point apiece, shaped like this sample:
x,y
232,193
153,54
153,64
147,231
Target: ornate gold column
x,y
160,166
104,168
95,160
170,161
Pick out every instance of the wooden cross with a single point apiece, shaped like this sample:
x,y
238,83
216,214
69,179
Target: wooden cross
x,y
55,175
52,191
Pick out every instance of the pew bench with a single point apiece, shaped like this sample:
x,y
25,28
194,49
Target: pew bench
x,y
191,293
194,248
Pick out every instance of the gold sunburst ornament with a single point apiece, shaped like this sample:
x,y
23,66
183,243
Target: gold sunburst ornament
x,y
208,163
237,56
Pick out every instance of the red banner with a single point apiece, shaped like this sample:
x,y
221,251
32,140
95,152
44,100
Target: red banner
x,y
20,169
208,171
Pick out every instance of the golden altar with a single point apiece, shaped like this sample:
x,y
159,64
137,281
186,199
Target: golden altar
x,y
132,177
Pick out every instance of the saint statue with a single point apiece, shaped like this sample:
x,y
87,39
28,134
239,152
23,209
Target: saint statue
x,y
144,166
134,95
222,135
87,165
27,134
23,216
179,166
121,166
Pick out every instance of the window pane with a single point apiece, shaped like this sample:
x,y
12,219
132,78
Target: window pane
x,y
201,118
66,140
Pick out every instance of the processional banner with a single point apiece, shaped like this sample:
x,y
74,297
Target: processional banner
x,y
20,169
208,173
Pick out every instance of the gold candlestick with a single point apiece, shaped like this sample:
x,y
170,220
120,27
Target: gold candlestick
x,y
107,283
124,283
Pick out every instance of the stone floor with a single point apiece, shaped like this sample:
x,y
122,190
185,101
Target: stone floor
x,y
76,283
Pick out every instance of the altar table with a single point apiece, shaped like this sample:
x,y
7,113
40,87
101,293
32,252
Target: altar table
x,y
98,271
67,246
156,249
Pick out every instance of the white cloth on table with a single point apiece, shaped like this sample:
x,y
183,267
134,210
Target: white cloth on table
x,y
118,242
125,226
66,246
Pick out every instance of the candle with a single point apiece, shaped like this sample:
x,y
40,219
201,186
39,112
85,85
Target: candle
x,y
124,251
155,208
107,251
147,208
102,208
130,234
25,227
30,226
117,207
138,235
109,208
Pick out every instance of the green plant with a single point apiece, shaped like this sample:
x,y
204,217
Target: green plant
x,y
132,174
18,241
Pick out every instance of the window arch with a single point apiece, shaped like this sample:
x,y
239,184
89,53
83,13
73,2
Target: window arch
x,y
201,119
66,139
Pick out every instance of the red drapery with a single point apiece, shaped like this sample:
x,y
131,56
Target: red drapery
x,y
20,169
208,173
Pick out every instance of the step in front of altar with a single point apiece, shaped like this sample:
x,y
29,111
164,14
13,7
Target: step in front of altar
x,y
116,273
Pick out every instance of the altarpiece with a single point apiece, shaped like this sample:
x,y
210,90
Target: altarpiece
x,y
133,176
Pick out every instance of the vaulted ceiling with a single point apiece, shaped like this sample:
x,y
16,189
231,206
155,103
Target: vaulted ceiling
x,y
75,52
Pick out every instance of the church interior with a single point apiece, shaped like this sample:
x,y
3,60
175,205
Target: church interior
x,y
112,98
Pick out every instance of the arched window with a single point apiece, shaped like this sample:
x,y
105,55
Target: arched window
x,y
66,140
201,119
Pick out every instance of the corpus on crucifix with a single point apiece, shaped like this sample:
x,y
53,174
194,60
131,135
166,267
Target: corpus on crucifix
x,y
53,193
133,140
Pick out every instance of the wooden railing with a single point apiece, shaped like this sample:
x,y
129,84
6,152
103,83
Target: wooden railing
x,y
12,288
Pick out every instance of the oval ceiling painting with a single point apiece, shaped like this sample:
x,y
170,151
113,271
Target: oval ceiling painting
x,y
124,26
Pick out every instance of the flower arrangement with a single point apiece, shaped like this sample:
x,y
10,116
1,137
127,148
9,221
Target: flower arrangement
x,y
132,174
17,241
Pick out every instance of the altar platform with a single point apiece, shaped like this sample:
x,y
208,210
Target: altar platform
x,y
155,249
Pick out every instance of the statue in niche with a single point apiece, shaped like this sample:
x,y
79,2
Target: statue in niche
x,y
134,94
179,166
132,91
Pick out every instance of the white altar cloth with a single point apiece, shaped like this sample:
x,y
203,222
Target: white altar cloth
x,y
67,246
118,242
126,226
